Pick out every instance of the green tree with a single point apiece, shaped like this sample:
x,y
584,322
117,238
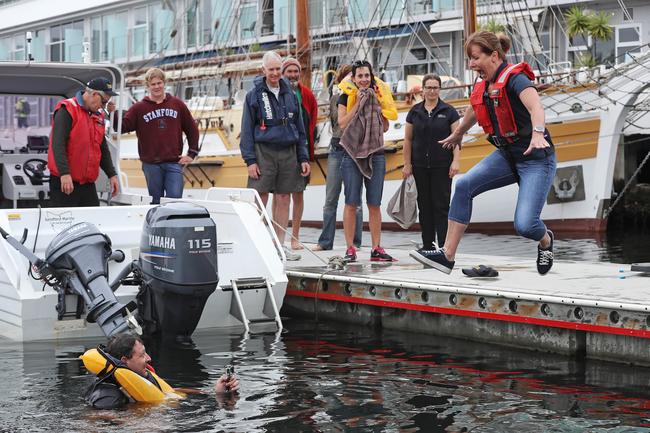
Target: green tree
x,y
577,22
492,26
586,24
599,29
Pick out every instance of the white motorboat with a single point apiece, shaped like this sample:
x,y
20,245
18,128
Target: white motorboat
x,y
65,289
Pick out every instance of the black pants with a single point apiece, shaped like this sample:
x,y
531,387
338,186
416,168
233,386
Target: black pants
x,y
434,192
82,195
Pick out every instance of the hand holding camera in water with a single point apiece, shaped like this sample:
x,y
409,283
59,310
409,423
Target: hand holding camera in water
x,y
228,382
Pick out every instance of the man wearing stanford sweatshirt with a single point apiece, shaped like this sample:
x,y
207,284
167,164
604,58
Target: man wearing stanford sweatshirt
x,y
159,121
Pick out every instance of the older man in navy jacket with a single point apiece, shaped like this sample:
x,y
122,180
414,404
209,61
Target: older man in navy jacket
x,y
274,143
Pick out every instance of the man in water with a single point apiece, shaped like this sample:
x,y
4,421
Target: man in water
x,y
128,348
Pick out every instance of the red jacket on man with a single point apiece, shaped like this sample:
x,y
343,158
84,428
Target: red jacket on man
x,y
502,107
83,146
311,108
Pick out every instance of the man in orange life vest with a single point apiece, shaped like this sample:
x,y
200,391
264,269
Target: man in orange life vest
x,y
78,147
129,349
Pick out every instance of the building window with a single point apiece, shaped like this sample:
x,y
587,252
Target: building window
x,y
358,12
5,49
66,42
629,16
38,45
284,17
161,26
432,60
578,47
139,38
446,5
628,42
248,20
216,22
336,12
419,7
96,39
267,18
191,22
208,25
390,9
19,47
114,36
605,52
315,8
56,44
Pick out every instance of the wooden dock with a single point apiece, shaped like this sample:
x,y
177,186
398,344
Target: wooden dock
x,y
586,309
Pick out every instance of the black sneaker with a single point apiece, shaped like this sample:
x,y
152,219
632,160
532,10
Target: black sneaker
x,y
350,255
545,257
379,255
434,259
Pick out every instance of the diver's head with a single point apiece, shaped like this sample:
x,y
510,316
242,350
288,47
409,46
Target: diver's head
x,y
129,349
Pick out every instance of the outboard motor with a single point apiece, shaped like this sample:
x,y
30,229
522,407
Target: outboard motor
x,y
76,261
84,252
178,265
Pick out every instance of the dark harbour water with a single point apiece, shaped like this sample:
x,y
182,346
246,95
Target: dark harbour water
x,y
342,378
334,378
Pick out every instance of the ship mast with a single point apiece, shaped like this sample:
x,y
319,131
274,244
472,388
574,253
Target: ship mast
x,y
469,17
303,43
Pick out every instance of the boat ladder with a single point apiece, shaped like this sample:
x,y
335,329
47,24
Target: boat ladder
x,y
247,295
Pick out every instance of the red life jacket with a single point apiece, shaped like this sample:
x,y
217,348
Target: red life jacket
x,y
499,96
83,148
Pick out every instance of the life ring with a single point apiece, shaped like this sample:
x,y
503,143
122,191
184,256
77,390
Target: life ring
x,y
137,387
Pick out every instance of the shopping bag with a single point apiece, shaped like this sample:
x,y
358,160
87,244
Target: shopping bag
x,y
403,206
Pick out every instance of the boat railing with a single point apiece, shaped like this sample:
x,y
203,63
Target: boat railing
x,y
251,196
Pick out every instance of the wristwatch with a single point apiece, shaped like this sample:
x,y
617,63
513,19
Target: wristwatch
x,y
539,129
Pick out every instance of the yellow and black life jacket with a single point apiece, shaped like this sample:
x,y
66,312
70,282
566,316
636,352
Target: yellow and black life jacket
x,y
139,388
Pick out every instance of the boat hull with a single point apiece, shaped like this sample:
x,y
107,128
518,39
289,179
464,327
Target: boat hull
x,y
577,210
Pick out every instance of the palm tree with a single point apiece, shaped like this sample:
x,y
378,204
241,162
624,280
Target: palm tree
x,y
585,24
578,22
599,29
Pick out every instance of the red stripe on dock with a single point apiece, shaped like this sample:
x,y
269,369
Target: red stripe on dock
x,y
469,313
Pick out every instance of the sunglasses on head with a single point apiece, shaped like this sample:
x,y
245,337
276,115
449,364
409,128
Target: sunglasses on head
x,y
360,63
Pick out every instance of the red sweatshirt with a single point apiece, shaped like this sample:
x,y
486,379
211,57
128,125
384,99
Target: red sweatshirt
x,y
310,105
159,128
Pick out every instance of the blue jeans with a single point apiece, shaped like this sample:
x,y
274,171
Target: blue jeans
x,y
163,180
535,179
332,193
353,180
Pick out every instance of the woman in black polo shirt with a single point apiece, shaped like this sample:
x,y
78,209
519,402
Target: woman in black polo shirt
x,y
432,166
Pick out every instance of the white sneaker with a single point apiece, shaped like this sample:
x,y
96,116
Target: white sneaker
x,y
290,255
